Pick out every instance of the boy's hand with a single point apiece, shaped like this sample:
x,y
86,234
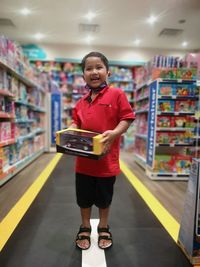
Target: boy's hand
x,y
108,138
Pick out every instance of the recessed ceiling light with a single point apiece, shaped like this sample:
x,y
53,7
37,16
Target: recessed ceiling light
x,y
152,19
137,41
184,44
90,15
25,11
89,39
39,36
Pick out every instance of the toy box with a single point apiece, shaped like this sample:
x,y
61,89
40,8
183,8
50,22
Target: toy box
x,y
165,73
165,89
164,121
163,164
182,163
187,73
166,105
186,106
79,142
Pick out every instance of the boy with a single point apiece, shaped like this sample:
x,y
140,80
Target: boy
x,y
104,110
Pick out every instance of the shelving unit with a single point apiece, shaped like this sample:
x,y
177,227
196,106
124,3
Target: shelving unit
x,y
141,123
122,77
22,121
165,148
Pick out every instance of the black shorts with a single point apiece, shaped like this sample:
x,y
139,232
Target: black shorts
x,y
91,190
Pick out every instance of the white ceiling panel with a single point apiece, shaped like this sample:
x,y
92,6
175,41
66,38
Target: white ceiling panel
x,y
120,22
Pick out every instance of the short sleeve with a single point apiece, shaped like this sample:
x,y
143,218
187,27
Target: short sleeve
x,y
125,109
75,118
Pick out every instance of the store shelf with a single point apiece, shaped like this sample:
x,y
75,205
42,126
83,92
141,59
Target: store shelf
x,y
13,170
7,142
20,77
143,136
167,176
6,92
174,129
140,160
168,146
22,114
4,115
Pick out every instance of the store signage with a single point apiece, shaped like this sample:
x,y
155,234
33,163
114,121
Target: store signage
x,y
34,52
55,116
151,124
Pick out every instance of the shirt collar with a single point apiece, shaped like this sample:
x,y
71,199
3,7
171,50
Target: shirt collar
x,y
85,97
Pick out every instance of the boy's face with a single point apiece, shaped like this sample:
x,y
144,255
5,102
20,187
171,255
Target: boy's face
x,y
95,72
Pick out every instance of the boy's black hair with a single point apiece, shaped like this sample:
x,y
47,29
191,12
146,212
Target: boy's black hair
x,y
95,54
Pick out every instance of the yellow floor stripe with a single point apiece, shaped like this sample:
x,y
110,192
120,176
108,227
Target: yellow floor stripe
x,y
9,223
168,222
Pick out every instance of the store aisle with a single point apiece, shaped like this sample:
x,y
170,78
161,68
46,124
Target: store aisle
x,y
45,236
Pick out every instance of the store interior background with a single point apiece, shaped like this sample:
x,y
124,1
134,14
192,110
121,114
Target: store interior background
x,y
121,31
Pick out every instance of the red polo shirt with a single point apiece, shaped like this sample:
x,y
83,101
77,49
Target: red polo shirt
x,y
104,113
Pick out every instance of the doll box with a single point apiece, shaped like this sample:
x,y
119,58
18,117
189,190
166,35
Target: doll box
x,y
77,142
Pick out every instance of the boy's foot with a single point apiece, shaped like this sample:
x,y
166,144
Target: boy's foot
x,y
105,237
83,238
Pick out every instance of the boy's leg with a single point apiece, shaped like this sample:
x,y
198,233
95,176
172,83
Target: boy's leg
x,y
103,223
85,195
85,215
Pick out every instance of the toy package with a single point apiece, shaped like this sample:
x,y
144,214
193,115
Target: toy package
x,y
182,163
187,73
163,164
79,142
185,90
185,106
165,89
163,138
183,122
164,121
166,105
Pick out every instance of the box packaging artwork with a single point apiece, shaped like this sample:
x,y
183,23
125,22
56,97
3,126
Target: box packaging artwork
x,y
78,142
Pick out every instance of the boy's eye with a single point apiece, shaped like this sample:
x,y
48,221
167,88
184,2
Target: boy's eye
x,y
88,69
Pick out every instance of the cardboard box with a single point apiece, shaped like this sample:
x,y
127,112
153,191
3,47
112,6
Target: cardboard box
x,y
79,142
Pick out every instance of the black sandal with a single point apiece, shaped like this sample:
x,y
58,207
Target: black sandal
x,y
105,237
83,237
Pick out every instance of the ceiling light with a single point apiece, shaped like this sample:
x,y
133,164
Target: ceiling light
x,y
25,11
137,41
90,15
39,36
152,19
89,39
184,44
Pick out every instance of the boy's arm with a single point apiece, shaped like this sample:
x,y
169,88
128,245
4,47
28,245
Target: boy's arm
x,y
110,135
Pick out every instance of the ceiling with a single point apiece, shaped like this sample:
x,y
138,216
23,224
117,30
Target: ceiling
x,y
120,22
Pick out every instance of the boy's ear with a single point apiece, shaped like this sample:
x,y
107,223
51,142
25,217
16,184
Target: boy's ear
x,y
109,73
83,77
